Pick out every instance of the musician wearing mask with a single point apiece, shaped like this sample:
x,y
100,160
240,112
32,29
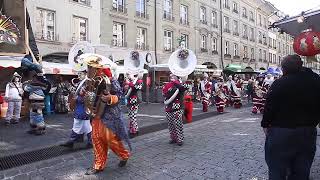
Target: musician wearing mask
x,y
135,85
205,90
234,93
220,98
173,93
259,94
13,95
108,124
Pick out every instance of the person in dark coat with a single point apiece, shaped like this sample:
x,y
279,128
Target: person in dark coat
x,y
289,121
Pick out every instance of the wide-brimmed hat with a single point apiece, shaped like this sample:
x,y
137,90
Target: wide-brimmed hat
x,y
15,74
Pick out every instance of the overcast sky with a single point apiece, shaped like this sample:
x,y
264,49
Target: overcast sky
x,y
295,7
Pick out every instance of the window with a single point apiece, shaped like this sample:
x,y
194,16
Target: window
x,y
168,36
184,41
85,2
184,14
279,60
252,53
264,54
45,25
260,54
235,27
260,37
251,16
118,5
252,33
245,51
80,26
244,12
203,14
245,31
226,24
235,52
226,47
270,42
203,41
264,37
235,7
274,59
168,10
274,42
214,19
270,57
260,22
226,4
141,38
118,34
141,8
265,22
214,44
279,46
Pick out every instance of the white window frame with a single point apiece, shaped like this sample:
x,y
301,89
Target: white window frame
x,y
235,26
251,33
226,3
78,29
203,41
168,40
46,25
142,6
168,8
245,51
244,12
226,23
214,44
183,14
119,34
118,5
252,53
226,47
235,49
245,30
214,19
203,14
235,6
141,38
185,43
260,54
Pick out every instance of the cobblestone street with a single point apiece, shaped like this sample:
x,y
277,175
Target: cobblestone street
x,y
228,146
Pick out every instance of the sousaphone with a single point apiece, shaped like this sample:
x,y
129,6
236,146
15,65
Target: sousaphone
x,y
182,62
134,63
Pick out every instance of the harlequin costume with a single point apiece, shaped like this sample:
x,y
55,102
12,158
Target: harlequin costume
x,y
260,91
108,127
205,90
220,98
134,85
81,119
173,93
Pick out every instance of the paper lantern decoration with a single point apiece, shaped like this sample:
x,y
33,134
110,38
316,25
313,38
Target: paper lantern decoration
x,y
9,32
307,44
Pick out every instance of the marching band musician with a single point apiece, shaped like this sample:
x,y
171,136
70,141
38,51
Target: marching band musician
x,y
135,84
173,93
108,125
205,89
220,97
234,92
259,94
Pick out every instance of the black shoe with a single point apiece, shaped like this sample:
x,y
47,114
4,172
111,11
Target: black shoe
x,y
68,144
91,171
122,163
180,143
172,142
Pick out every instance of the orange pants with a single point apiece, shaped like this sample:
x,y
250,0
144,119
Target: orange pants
x,y
103,139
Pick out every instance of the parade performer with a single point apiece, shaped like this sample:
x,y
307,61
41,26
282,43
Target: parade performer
x,y
108,126
205,89
181,63
13,95
220,97
269,80
234,93
61,96
135,84
173,93
81,119
188,104
36,89
260,91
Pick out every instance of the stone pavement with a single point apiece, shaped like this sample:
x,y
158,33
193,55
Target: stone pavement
x,y
14,139
225,147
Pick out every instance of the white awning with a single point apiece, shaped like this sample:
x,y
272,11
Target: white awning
x,y
199,68
57,68
10,61
122,70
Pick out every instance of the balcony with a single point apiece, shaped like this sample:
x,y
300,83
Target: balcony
x,y
245,37
168,16
235,11
235,33
119,9
203,50
184,22
236,57
227,55
141,46
226,30
142,15
203,22
215,52
118,43
214,26
42,37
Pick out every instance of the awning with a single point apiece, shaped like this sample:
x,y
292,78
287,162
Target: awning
x,y
238,69
122,70
10,61
165,67
57,68
293,27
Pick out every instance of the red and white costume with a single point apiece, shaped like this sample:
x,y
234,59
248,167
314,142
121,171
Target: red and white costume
x,y
234,94
220,97
259,95
205,90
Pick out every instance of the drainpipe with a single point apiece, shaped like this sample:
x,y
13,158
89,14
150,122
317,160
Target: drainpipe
x,y
155,53
221,38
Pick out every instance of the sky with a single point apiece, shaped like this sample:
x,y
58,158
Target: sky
x,y
295,7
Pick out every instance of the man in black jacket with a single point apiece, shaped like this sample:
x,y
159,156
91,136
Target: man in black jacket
x,y
289,121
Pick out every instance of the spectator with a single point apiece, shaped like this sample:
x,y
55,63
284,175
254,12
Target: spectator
x,y
289,121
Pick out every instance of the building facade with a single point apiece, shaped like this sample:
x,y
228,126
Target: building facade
x,y
58,25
